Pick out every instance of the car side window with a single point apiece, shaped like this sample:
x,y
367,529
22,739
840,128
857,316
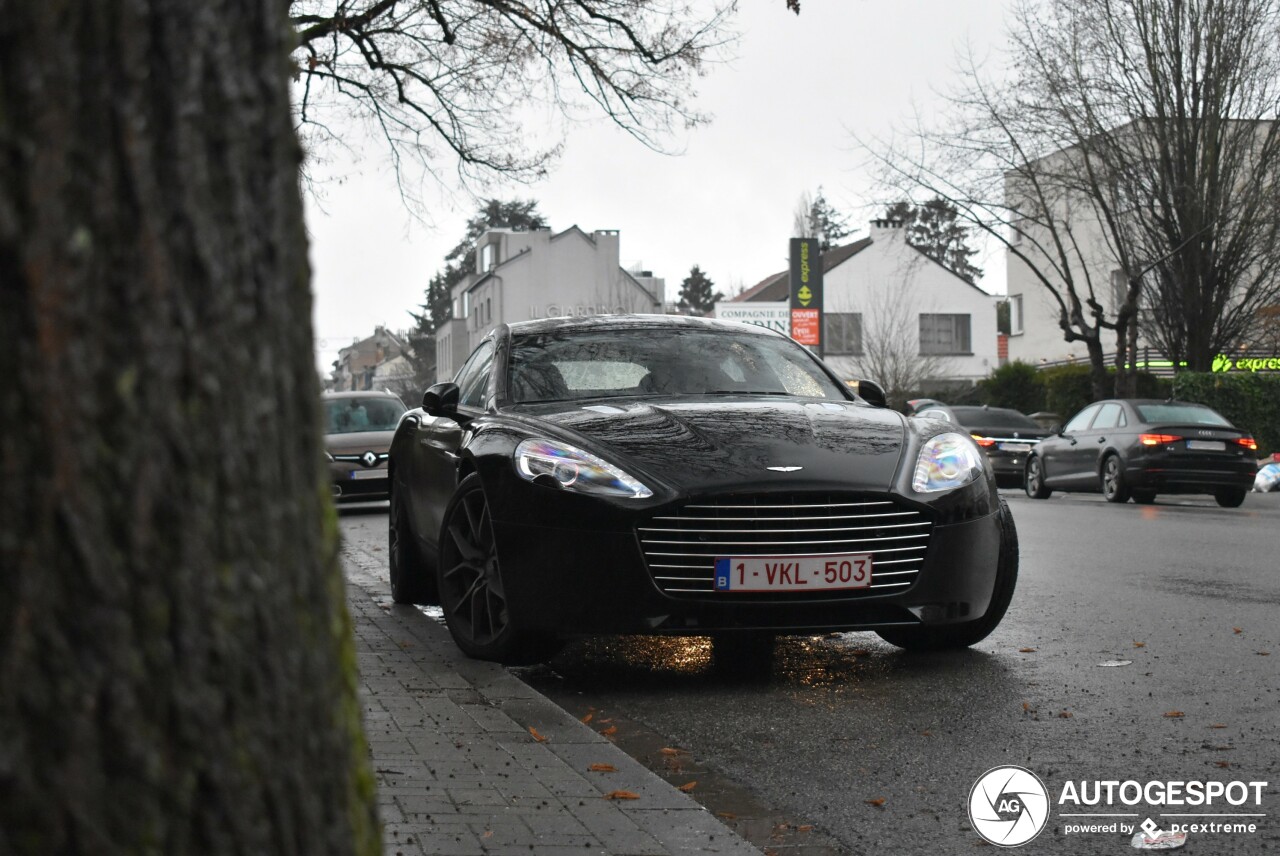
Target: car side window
x,y
1081,420
473,379
1108,417
935,414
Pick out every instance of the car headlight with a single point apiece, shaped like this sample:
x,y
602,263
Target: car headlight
x,y
946,461
573,469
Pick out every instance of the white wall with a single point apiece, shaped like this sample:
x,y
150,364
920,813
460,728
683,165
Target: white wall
x,y
890,276
540,275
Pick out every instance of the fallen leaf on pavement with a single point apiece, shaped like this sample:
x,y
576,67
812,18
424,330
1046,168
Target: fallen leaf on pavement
x,y
860,652
926,733
1222,764
1264,653
603,768
1137,644
1217,725
805,827
1066,714
1026,650
1237,629
877,802
1174,714
590,716
727,815
667,750
488,833
536,735
610,731
688,786
621,795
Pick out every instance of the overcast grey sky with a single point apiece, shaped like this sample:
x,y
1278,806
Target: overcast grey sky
x,y
783,112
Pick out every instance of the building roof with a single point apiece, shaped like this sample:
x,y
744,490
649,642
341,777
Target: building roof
x,y
776,287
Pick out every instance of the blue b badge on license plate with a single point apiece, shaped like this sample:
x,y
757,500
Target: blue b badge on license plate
x,y
722,574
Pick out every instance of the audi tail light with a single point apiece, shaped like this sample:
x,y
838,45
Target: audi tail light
x,y
1157,439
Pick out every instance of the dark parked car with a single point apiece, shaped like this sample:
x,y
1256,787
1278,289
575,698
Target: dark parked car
x,y
1142,448
1006,435
358,431
659,474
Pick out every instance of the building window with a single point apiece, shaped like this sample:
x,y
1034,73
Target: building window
x,y
488,257
944,335
1015,314
842,334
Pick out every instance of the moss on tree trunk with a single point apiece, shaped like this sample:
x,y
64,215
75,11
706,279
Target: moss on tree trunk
x,y
176,664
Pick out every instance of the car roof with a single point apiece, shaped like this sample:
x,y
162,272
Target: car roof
x,y
635,322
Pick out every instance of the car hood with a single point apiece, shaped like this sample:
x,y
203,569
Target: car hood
x,y
358,441
722,445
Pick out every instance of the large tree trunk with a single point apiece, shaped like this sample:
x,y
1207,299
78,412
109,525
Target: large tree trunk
x,y
176,668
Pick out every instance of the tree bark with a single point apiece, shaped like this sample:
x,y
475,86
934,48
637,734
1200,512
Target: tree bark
x,y
176,667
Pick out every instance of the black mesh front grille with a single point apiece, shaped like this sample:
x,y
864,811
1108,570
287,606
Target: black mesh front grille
x,y
681,544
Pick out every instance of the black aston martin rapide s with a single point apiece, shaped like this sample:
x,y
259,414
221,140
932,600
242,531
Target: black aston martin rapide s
x,y
672,475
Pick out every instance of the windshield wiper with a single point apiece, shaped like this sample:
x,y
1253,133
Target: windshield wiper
x,y
746,392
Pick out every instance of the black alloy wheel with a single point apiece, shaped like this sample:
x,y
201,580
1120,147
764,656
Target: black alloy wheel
x,y
472,592
966,633
1034,483
1230,497
1144,497
1114,488
412,580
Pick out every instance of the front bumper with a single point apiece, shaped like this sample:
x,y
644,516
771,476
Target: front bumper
x,y
355,483
591,576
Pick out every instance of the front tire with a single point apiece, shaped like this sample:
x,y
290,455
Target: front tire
x,y
1114,488
1230,497
412,580
964,634
1144,497
472,592
1034,481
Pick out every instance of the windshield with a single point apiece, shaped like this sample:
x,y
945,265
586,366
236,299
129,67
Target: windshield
x,y
349,415
567,365
1181,414
993,418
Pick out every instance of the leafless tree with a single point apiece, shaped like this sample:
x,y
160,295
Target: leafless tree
x,y
452,82
1128,159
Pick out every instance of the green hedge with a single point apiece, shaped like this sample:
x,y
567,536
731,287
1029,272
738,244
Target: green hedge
x,y
1016,384
1250,401
1064,390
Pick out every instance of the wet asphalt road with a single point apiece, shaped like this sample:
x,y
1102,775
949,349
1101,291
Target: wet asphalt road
x,y
878,749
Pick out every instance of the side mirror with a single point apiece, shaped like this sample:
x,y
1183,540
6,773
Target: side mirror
x,y
872,393
441,399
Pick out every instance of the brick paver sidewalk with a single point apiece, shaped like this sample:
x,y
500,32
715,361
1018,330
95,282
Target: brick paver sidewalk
x,y
470,760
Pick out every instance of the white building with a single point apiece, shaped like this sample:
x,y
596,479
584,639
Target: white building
x,y
887,304
1035,333
520,276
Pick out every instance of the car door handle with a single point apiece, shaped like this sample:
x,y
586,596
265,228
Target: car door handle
x,y
1102,439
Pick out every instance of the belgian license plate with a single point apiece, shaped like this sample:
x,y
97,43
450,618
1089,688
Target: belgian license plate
x,y
793,573
1206,445
1015,447
368,474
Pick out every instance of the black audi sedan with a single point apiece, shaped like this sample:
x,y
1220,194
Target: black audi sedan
x,y
1006,435
1140,448
671,475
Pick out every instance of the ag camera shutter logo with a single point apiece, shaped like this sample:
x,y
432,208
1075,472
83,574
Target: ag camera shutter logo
x,y
1008,806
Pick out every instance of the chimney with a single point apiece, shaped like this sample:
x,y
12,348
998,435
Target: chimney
x,y
884,227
